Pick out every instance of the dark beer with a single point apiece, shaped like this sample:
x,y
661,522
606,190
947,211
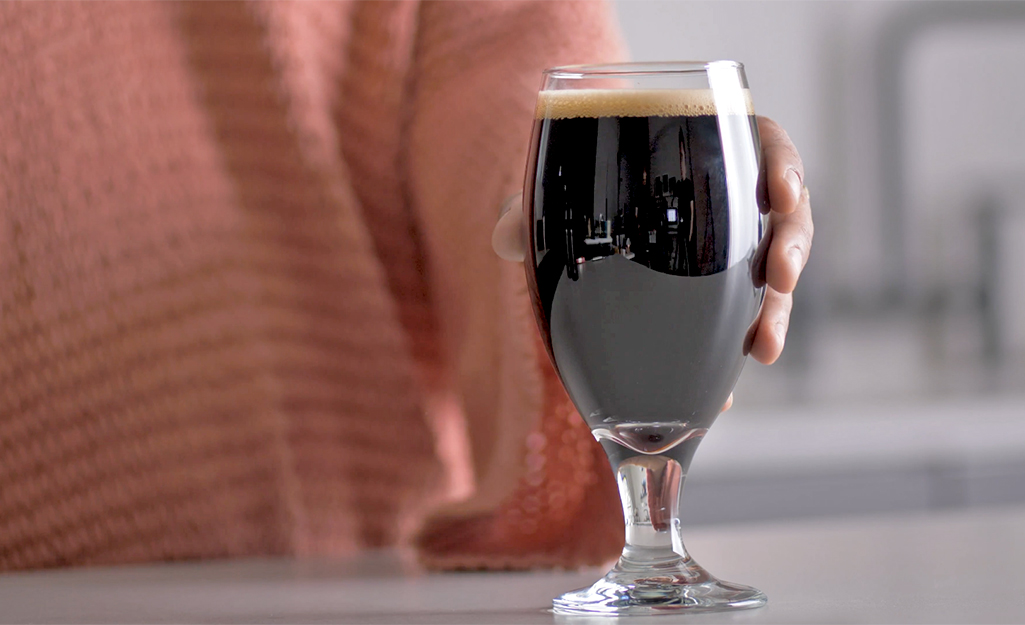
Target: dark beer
x,y
643,233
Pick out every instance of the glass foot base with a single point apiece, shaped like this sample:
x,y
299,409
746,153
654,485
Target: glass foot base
x,y
685,588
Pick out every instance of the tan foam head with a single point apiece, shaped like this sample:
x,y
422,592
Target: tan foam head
x,y
570,103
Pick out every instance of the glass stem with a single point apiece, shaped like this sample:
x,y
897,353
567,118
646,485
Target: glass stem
x,y
650,488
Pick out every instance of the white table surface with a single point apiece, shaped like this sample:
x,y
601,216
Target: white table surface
x,y
966,567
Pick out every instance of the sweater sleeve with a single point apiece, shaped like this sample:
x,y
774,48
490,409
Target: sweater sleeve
x,y
544,494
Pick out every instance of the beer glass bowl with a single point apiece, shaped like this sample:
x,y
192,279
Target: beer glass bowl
x,y
645,239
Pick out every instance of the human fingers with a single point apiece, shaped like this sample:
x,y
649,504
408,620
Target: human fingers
x,y
770,331
507,237
788,252
784,170
728,404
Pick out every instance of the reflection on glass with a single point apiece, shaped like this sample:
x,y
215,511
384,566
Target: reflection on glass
x,y
626,186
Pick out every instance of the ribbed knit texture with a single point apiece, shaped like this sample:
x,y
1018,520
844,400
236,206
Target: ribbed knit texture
x,y
244,259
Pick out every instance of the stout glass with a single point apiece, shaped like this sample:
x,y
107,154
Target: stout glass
x,y
644,234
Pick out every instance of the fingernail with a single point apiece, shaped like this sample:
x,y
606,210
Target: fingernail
x,y
794,181
509,203
796,258
781,331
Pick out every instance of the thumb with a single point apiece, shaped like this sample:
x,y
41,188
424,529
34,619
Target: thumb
x,y
507,237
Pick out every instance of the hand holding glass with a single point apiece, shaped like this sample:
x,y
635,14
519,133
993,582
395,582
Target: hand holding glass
x,y
644,239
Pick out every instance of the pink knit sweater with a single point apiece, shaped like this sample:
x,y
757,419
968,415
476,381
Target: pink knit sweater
x,y
247,299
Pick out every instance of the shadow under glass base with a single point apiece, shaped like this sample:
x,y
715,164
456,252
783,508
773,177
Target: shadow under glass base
x,y
668,588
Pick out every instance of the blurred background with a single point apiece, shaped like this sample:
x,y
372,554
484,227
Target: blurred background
x,y
902,386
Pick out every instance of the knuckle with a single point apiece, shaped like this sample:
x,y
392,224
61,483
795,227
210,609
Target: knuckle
x,y
796,234
794,160
798,229
783,157
779,149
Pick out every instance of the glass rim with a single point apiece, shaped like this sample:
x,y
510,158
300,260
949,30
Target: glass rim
x,y
636,68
